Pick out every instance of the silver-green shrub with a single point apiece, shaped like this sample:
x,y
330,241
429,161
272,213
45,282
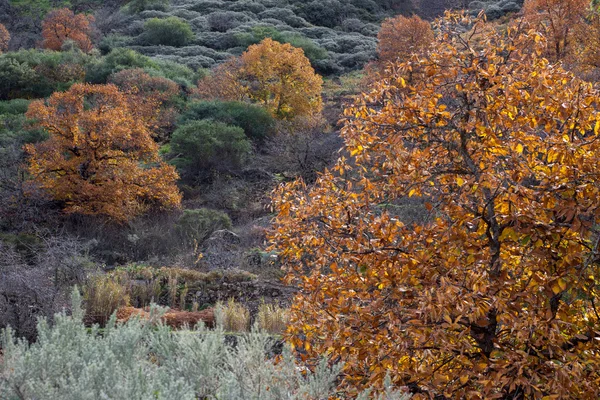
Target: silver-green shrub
x,y
139,360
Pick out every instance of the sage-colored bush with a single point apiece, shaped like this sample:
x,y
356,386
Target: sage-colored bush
x,y
256,122
172,31
203,147
139,361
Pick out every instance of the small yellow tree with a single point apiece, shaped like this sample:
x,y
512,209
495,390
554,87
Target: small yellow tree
x,y
278,76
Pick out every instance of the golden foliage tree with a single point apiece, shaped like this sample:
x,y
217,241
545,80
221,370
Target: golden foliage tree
x,y
149,97
559,20
100,159
401,37
489,290
62,24
4,38
276,75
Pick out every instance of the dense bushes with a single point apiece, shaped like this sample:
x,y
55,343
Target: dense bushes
x,y
117,60
259,32
136,6
170,31
204,147
495,9
39,73
229,27
138,361
256,122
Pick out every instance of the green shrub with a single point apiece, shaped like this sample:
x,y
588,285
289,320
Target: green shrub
x,y
138,361
256,122
117,60
15,77
257,33
38,73
136,6
195,226
170,31
14,107
113,41
202,147
176,72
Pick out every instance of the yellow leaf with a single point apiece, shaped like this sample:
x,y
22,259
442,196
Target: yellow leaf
x,y
520,148
463,379
460,181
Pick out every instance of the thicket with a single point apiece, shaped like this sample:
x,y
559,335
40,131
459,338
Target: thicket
x,y
138,360
171,31
256,122
225,28
495,9
201,148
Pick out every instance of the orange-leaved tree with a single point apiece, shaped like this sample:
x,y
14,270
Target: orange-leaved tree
x,y
276,75
100,159
559,20
458,250
150,97
62,24
4,38
401,37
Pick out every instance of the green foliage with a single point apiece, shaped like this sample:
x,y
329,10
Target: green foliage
x,y
32,8
176,72
136,6
257,33
117,60
14,107
137,360
170,31
39,73
204,146
195,226
256,122
15,77
113,41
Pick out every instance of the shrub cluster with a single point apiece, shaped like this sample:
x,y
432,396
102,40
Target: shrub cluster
x,y
229,27
496,8
202,148
137,360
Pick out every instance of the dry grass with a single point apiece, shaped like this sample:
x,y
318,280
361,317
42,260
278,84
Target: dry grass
x,y
234,317
176,319
272,318
103,295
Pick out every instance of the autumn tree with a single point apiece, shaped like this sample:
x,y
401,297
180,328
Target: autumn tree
x,y
401,37
275,75
489,288
151,97
559,20
100,159
62,25
4,38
